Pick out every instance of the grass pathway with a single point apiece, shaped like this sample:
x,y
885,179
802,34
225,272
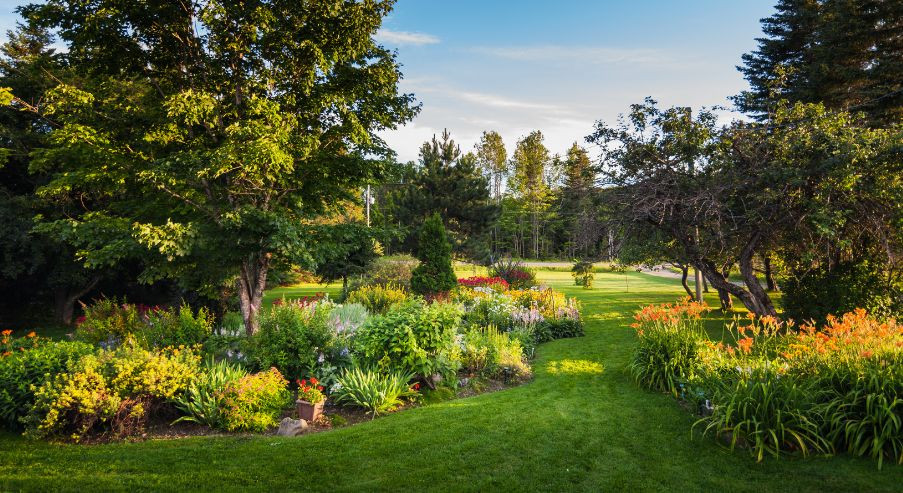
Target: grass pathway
x,y
581,424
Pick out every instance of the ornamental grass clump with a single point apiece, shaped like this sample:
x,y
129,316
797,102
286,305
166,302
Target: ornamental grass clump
x,y
204,400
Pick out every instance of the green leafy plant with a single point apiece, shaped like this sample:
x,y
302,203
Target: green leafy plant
x,y
203,400
108,322
488,352
415,338
23,372
297,339
180,326
376,392
255,402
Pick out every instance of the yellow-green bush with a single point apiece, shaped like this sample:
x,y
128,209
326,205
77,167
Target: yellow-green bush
x,y
110,392
378,298
255,402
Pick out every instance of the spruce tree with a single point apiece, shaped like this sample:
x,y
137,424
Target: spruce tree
x,y
435,273
843,54
450,184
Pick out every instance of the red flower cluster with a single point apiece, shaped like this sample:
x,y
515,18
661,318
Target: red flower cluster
x,y
493,282
311,392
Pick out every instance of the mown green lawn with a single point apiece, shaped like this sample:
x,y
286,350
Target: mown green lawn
x,y
581,424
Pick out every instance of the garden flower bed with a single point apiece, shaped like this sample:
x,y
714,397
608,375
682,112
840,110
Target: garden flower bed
x,y
137,372
777,388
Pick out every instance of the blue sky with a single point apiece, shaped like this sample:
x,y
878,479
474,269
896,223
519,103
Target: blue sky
x,y
556,66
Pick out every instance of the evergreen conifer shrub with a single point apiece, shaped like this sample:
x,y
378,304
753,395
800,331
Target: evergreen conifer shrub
x,y
434,274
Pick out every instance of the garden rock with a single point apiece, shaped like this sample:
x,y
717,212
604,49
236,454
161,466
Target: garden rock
x,y
291,427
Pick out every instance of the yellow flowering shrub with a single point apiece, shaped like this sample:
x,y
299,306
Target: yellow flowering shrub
x,y
110,392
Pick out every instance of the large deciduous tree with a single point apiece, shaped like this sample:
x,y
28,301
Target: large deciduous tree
x,y
208,133
531,163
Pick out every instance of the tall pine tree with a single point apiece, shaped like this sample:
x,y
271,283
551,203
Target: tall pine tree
x,y
847,54
450,184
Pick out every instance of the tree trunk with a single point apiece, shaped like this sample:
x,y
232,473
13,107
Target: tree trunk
x,y
750,279
705,285
684,273
64,300
770,283
251,285
727,303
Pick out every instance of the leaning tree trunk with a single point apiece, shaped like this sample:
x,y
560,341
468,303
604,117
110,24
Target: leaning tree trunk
x,y
727,303
684,273
65,299
751,281
251,285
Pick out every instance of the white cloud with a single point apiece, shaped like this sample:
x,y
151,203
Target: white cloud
x,y
405,37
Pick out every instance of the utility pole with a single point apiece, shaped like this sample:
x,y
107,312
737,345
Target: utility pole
x,y
367,200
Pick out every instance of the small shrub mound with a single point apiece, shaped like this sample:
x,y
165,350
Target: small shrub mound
x,y
298,339
255,402
779,389
414,338
108,323
378,298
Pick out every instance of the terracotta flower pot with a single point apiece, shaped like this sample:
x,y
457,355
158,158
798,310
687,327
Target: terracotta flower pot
x,y
309,412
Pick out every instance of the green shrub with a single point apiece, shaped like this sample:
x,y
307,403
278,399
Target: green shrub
x,y
396,270
413,338
376,392
176,327
378,298
562,328
203,401
255,402
111,391
435,274
583,274
22,372
817,293
297,339
107,323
